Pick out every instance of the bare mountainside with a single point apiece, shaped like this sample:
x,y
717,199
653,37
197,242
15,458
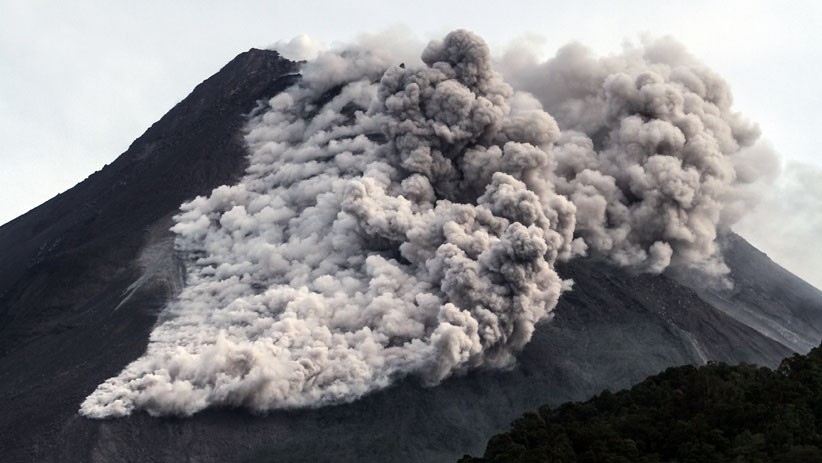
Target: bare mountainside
x,y
84,277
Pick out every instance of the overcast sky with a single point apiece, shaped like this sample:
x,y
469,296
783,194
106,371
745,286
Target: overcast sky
x,y
81,80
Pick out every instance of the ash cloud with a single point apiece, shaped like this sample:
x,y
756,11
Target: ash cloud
x,y
405,220
652,153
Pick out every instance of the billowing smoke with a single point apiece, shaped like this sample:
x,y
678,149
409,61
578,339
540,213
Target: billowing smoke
x,y
650,152
405,220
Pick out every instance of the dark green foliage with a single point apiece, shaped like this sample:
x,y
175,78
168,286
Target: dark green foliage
x,y
715,413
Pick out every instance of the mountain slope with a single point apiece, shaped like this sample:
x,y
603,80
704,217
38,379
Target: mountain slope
x,y
67,263
612,331
768,298
85,275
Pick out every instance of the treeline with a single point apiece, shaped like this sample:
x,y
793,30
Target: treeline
x,y
714,413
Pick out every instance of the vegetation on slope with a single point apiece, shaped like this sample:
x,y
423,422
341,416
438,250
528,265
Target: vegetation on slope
x,y
714,413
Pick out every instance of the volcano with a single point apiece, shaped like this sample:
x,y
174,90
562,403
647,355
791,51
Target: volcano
x,y
86,276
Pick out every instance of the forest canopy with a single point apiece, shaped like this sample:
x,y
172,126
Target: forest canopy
x,y
716,413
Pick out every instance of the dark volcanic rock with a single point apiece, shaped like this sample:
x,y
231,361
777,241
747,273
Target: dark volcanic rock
x,y
768,298
84,276
67,263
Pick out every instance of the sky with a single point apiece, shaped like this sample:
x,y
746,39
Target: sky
x,y
81,80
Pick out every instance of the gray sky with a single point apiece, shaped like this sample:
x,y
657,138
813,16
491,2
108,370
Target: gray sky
x,y
81,80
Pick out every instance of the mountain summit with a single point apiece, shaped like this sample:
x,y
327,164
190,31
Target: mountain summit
x,y
87,277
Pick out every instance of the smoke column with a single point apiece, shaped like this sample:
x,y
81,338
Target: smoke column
x,y
403,221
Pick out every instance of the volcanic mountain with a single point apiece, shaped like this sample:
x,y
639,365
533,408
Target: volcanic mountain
x,y
86,276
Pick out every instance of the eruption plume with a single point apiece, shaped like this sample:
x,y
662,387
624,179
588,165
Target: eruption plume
x,y
403,221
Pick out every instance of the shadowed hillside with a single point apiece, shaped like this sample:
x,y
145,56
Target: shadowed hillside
x,y
68,263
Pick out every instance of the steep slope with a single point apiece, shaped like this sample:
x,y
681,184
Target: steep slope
x,y
67,263
768,298
84,277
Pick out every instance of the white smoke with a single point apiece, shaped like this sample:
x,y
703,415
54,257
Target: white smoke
x,y
300,48
404,220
